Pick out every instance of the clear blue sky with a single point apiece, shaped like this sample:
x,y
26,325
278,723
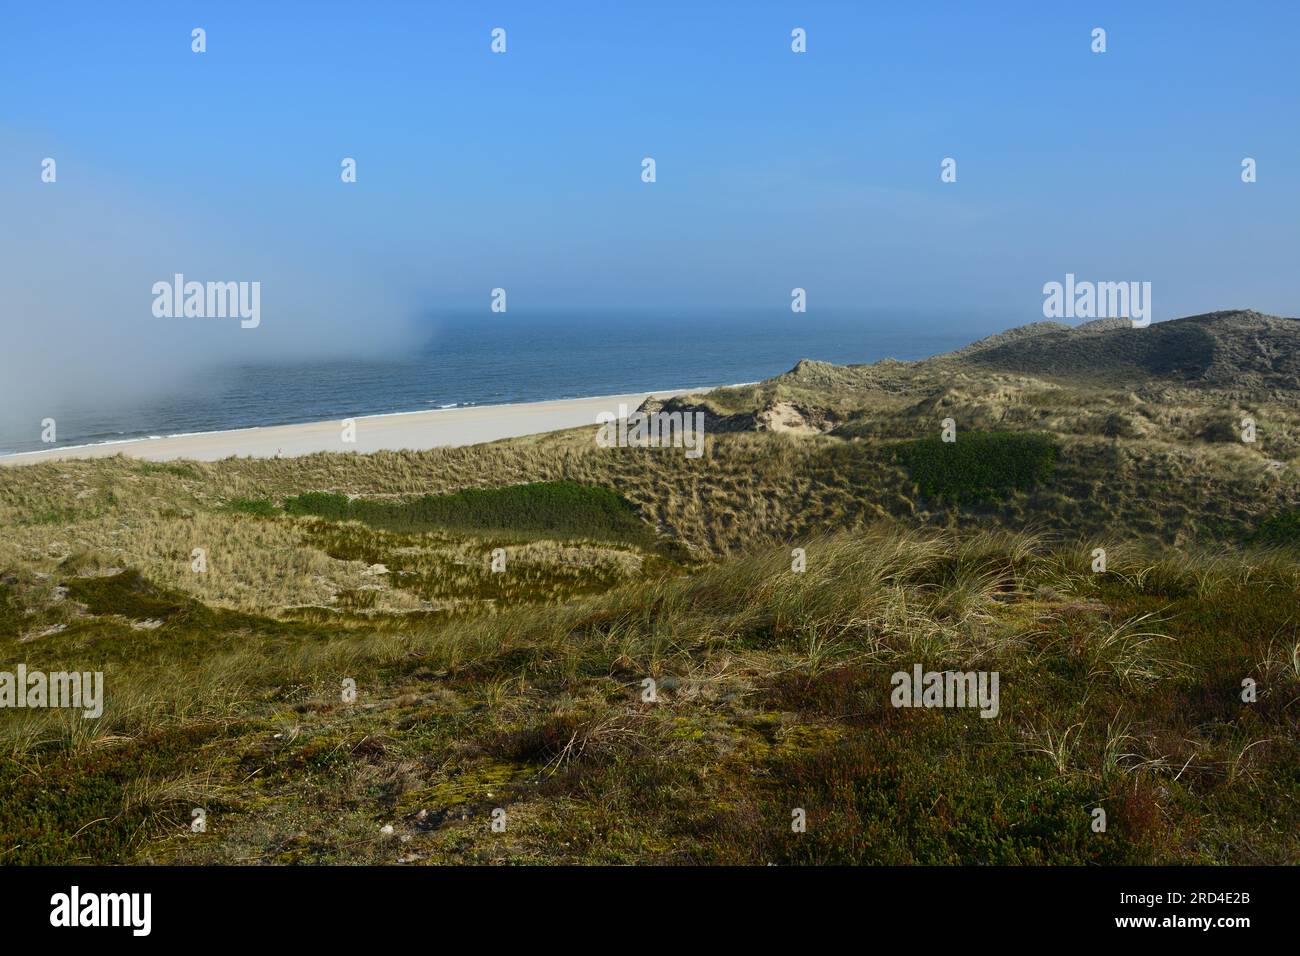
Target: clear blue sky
x,y
775,170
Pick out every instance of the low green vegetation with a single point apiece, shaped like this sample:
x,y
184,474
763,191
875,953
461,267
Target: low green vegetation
x,y
979,466
257,507
1120,691
550,508
1280,529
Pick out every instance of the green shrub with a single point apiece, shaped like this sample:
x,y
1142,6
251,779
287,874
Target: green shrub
x,y
556,508
260,507
1219,430
979,466
1282,528
176,470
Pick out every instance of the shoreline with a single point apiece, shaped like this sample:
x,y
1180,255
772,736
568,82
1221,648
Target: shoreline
x,y
391,431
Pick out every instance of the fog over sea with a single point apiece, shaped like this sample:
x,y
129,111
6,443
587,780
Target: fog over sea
x,y
493,359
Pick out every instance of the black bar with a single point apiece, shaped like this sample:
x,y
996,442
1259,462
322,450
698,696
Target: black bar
x,y
363,905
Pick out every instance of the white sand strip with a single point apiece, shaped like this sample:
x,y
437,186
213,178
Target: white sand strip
x,y
405,430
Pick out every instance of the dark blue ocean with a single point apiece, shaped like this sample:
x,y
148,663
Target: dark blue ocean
x,y
518,360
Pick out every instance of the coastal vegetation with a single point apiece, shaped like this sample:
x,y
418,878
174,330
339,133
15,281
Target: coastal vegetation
x,y
639,657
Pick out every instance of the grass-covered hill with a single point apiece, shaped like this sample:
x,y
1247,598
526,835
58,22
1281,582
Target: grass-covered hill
x,y
1243,351
1150,424
1240,355
499,609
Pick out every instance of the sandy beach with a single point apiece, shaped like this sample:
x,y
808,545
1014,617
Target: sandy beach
x,y
396,432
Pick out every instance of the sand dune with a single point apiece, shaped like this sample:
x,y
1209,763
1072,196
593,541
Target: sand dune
x,y
411,430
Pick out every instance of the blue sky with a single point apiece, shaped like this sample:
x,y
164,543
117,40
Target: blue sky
x,y
522,170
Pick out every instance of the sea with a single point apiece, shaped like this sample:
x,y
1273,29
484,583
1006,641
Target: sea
x,y
462,361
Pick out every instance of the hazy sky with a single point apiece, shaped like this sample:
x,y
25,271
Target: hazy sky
x,y
523,170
